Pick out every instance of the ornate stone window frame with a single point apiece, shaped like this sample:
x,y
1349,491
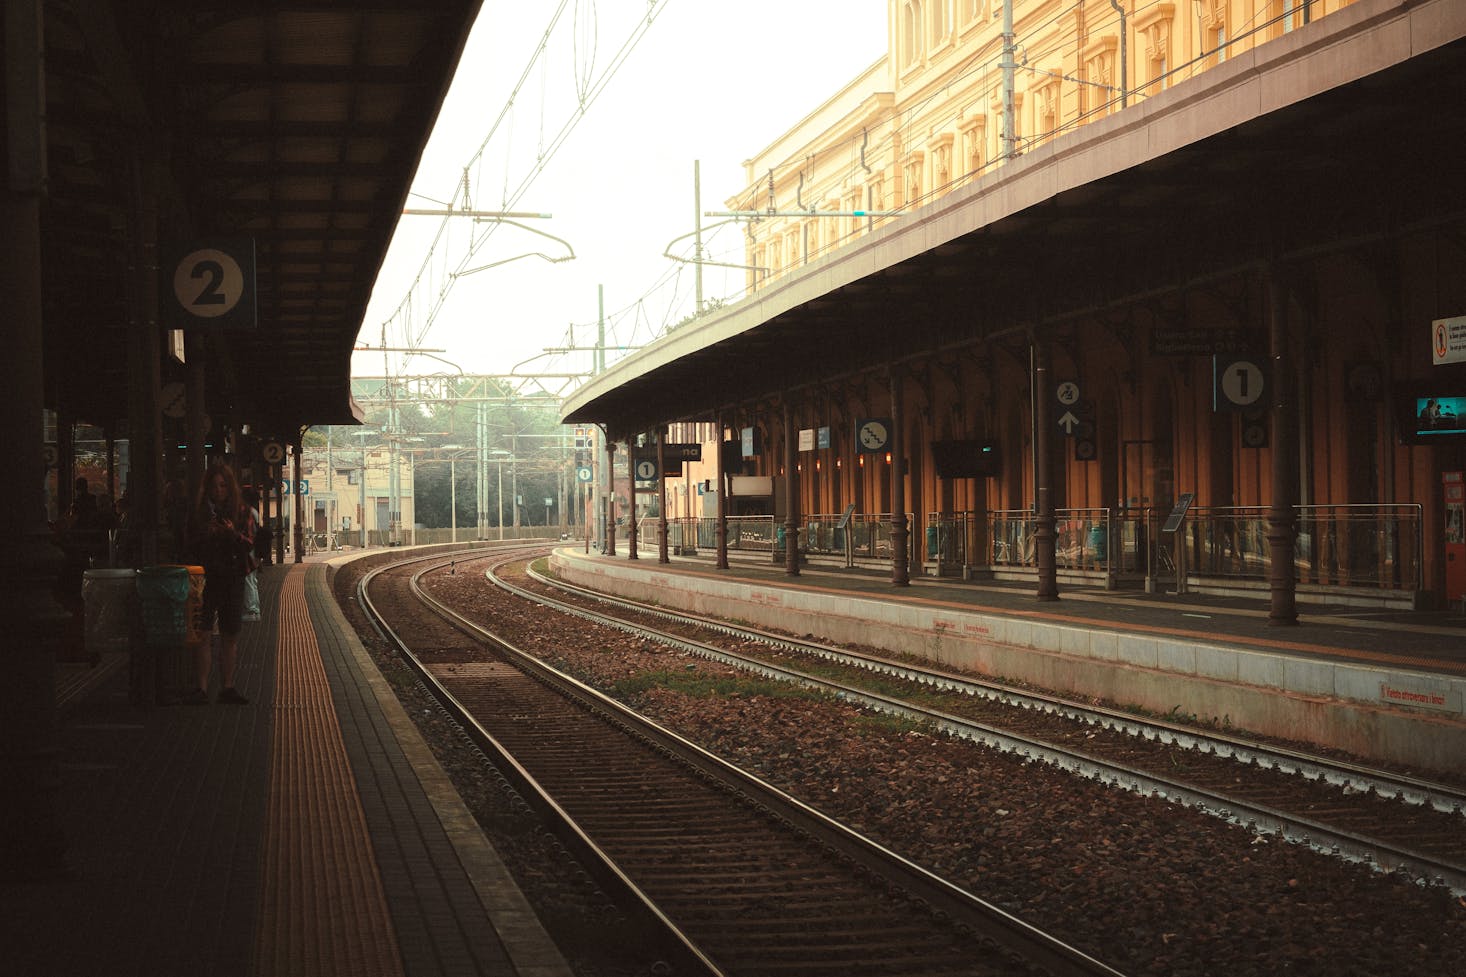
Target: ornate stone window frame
x,y
1153,31
974,137
911,41
939,150
1100,59
913,170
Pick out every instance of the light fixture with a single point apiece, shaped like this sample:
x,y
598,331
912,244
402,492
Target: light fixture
x,y
888,457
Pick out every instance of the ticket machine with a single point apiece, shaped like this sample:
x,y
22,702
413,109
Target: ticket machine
x,y
1454,492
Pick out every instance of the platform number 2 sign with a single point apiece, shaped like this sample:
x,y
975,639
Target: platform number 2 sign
x,y
213,285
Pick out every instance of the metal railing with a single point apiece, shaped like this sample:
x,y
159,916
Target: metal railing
x,y
1357,546
1360,546
863,539
353,538
1378,547
1089,539
867,536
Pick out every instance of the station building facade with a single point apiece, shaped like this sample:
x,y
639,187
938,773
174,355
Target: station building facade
x,y
930,116
1235,347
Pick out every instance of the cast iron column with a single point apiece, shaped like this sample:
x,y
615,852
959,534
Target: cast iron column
x,y
722,561
1043,533
298,516
144,356
195,463
1282,513
277,489
791,496
32,846
31,843
611,495
900,558
631,540
662,496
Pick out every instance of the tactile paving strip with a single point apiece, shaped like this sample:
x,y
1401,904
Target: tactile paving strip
x,y
323,912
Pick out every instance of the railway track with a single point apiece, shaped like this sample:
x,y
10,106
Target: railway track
x,y
1390,821
727,873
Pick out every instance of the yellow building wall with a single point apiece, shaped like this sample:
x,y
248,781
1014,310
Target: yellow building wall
x,y
928,117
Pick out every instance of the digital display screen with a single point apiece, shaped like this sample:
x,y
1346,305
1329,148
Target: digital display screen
x,y
966,459
1440,416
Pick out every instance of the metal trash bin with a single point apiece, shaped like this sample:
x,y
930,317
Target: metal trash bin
x,y
108,598
195,609
169,598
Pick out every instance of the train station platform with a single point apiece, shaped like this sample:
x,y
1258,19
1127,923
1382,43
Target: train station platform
x,y
1382,684
309,832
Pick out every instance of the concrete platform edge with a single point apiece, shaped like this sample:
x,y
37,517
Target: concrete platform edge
x,y
505,908
1307,700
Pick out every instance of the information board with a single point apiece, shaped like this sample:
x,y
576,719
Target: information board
x,y
1173,521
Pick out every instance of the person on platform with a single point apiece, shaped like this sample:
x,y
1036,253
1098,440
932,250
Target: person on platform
x,y
263,536
221,539
84,515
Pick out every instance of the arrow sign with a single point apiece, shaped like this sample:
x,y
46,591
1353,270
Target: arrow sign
x,y
1068,422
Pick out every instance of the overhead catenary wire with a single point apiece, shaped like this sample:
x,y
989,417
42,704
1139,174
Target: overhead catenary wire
x,y
871,144
437,273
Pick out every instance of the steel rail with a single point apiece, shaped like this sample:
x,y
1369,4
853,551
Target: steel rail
x,y
1332,840
1411,790
607,874
945,900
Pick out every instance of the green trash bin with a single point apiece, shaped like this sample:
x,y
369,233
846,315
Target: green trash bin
x,y
163,595
162,669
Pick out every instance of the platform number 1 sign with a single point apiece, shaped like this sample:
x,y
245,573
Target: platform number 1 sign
x,y
1238,383
211,285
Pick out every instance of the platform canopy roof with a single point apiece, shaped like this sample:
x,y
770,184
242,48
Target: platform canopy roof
x,y
1329,147
297,124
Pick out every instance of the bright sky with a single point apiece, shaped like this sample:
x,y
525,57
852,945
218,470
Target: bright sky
x,y
709,80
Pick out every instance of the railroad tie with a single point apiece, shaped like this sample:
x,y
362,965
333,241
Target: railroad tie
x,y
323,911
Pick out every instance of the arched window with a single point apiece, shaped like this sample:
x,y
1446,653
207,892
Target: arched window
x,y
1290,15
1046,111
1213,19
940,148
913,43
1098,95
974,145
912,190
1154,32
941,21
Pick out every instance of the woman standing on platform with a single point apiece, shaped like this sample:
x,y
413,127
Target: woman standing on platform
x,y
220,538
